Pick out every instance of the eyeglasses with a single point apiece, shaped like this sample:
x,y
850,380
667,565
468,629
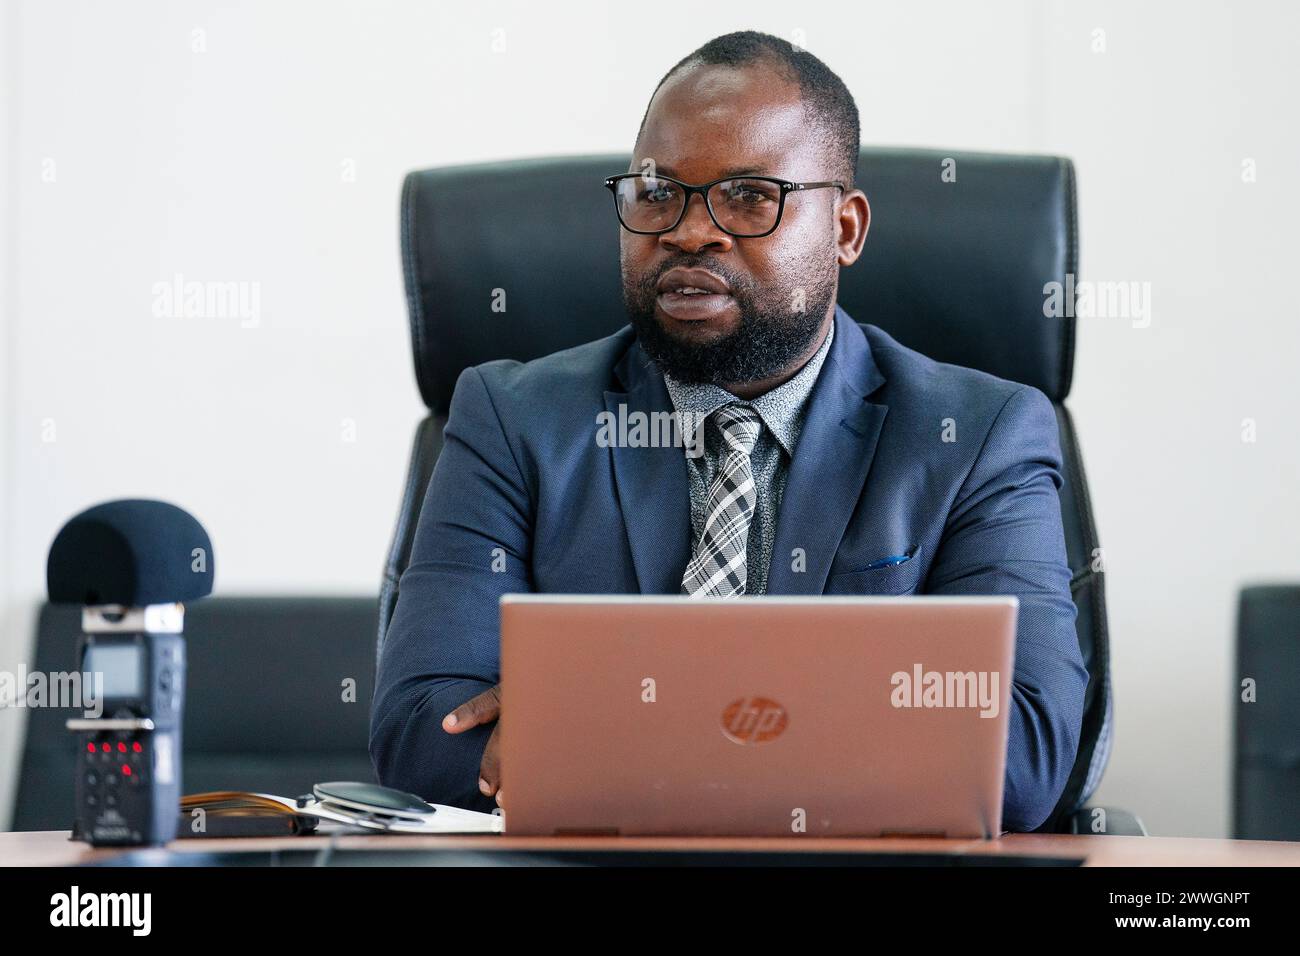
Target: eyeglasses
x,y
748,207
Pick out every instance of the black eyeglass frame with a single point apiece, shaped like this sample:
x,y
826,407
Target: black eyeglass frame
x,y
787,187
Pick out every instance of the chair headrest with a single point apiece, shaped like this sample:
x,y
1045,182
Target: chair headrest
x,y
520,259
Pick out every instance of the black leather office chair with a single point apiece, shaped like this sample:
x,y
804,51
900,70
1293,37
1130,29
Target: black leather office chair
x,y
1266,755
955,270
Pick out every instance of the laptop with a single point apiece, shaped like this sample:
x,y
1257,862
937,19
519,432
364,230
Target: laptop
x,y
758,716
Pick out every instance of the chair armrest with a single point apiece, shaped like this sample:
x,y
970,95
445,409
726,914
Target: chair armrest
x,y
1104,821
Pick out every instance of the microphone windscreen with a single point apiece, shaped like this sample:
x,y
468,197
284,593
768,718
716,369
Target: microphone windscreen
x,y
132,552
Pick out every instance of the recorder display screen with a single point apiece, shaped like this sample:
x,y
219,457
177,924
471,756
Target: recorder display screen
x,y
121,666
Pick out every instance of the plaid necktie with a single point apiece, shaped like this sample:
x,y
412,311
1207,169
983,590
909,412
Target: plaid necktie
x,y
718,568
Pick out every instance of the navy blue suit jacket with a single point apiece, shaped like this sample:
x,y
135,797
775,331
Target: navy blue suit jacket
x,y
523,481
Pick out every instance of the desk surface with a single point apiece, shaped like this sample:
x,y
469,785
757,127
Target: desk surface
x,y
53,848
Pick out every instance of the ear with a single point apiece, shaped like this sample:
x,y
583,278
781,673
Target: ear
x,y
854,220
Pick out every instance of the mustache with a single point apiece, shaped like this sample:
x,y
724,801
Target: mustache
x,y
649,282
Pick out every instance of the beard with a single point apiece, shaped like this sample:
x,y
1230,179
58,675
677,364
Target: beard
x,y
772,335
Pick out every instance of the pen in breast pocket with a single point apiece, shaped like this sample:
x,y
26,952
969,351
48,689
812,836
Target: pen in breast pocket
x,y
890,561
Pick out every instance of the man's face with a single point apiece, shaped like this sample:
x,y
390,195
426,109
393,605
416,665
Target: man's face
x,y
775,292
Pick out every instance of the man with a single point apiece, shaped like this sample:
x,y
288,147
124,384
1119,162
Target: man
x,y
821,467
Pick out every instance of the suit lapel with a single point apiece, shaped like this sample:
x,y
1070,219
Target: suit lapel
x,y
830,463
651,482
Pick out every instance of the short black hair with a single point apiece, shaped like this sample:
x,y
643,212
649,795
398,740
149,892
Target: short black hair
x,y
827,100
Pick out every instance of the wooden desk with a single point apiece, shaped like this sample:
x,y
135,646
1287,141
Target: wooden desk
x,y
53,848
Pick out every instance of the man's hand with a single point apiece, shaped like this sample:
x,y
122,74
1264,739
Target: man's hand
x,y
483,709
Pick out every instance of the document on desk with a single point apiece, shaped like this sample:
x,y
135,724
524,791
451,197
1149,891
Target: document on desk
x,y
236,813
444,819
448,820
458,820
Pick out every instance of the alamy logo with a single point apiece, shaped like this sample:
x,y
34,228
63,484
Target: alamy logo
x,y
753,720
1084,299
943,689
134,910
183,298
57,689
638,429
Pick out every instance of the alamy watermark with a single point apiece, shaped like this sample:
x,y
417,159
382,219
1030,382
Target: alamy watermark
x,y
133,911
946,689
1098,300
193,299
638,429
65,690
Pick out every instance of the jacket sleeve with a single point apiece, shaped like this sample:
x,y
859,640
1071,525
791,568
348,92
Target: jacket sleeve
x,y
471,546
1004,536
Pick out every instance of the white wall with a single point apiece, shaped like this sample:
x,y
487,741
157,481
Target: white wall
x,y
13,618
227,163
